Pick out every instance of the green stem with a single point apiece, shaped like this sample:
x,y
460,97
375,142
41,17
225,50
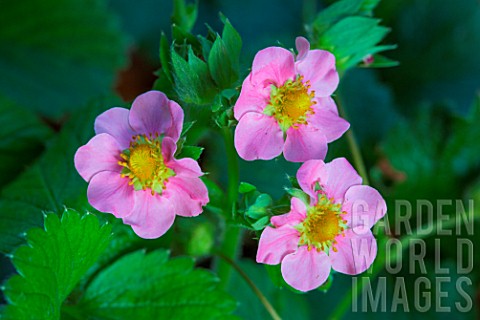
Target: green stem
x,y
258,293
353,145
232,234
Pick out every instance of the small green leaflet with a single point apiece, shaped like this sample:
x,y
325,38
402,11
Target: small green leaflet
x,y
52,264
151,286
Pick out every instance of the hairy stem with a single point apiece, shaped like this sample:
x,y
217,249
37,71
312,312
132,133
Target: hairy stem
x,y
232,234
353,145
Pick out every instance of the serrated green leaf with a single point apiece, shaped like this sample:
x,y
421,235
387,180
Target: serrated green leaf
x,y
22,138
224,56
57,55
185,15
52,264
49,184
152,286
192,79
334,13
368,6
351,39
233,42
221,66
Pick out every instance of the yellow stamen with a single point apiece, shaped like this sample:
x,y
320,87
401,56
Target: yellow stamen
x,y
144,164
322,225
291,104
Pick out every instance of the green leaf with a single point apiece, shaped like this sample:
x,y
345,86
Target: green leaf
x,y
57,55
380,61
246,187
185,15
300,194
259,208
49,184
334,13
193,152
224,56
353,38
152,286
233,42
347,29
192,79
22,138
220,65
52,264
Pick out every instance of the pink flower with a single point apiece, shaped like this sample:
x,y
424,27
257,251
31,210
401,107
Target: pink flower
x,y
131,169
332,230
285,105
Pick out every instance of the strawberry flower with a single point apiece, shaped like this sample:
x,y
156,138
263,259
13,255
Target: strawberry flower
x,y
285,105
330,230
131,169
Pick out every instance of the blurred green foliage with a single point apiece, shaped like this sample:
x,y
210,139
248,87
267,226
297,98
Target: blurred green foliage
x,y
57,55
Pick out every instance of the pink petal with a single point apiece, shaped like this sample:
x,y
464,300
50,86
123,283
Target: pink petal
x,y
115,122
276,243
326,103
152,215
364,206
109,192
177,120
355,252
303,46
186,167
258,136
305,143
306,270
297,214
340,176
273,65
309,174
187,194
319,68
169,147
151,113
101,153
332,126
251,99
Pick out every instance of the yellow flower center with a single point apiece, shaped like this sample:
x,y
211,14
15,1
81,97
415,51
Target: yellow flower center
x,y
144,164
322,225
291,104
